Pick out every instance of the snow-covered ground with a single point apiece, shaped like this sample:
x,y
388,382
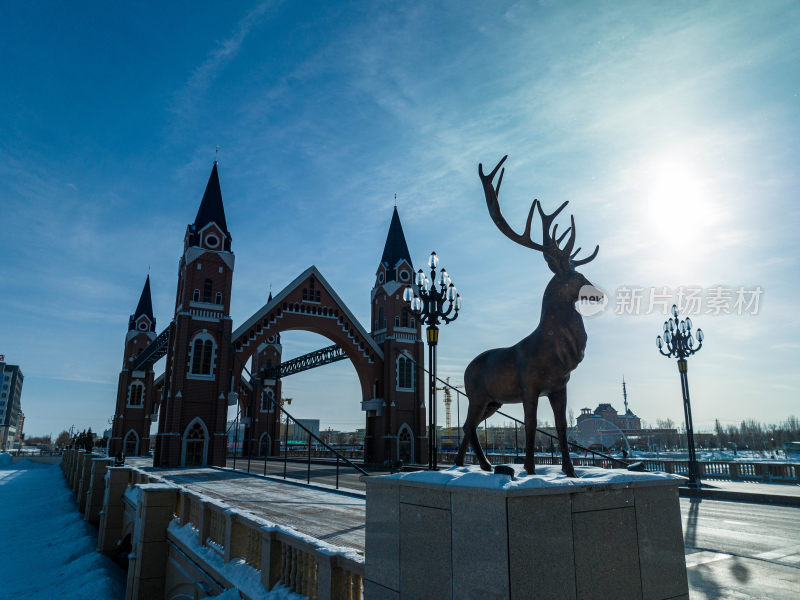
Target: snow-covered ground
x,y
47,550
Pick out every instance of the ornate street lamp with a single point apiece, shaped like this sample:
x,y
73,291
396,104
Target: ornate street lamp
x,y
679,343
429,307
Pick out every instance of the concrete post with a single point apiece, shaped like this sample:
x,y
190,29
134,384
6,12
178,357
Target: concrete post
x,y
325,577
110,529
83,482
97,488
148,563
733,471
270,559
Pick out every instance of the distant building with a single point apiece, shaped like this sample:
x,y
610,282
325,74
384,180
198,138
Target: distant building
x,y
10,406
625,422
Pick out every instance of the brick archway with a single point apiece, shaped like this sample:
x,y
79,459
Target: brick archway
x,y
309,303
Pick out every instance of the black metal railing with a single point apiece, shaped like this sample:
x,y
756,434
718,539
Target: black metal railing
x,y
258,392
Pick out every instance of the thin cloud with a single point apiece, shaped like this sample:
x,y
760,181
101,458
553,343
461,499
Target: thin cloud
x,y
203,76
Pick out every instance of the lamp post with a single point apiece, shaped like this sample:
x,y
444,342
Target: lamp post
x,y
679,343
429,307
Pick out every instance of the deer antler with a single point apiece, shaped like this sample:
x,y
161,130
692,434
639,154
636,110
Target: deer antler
x,y
550,244
493,204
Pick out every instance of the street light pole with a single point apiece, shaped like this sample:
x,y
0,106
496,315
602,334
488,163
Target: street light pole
x,y
679,343
429,307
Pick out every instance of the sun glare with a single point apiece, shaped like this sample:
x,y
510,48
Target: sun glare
x,y
679,206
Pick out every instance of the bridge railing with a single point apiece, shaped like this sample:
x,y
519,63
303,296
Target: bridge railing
x,y
280,554
303,564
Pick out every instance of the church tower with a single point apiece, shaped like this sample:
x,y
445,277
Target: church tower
x,y
130,429
398,432
198,372
265,417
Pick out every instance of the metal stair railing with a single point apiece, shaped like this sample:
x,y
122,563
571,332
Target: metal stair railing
x,y
311,435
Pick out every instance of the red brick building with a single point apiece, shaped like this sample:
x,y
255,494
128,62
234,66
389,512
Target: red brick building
x,y
205,369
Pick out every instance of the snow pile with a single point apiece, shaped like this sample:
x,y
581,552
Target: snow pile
x,y
48,549
5,460
547,476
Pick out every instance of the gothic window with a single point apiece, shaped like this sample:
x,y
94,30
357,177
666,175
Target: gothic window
x,y
195,440
405,317
202,355
380,318
396,321
405,444
207,291
218,299
131,444
196,296
405,373
135,394
266,400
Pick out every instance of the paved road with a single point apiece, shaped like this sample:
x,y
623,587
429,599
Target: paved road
x,y
734,550
741,550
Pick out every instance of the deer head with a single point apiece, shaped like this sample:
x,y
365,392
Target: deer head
x,y
561,260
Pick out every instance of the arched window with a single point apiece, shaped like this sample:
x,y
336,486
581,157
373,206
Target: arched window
x,y
405,317
405,444
195,440
135,394
397,321
405,373
196,296
380,318
131,444
267,398
218,299
207,291
202,355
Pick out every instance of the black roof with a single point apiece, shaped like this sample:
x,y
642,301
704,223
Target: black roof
x,y
211,209
145,306
396,248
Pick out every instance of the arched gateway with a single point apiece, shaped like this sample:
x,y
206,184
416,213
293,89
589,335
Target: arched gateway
x,y
204,370
309,303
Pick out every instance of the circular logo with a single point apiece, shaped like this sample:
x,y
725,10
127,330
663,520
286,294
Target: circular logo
x,y
591,301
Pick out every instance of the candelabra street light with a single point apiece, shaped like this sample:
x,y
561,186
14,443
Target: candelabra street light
x,y
438,299
679,343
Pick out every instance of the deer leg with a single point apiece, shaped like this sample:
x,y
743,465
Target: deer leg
x,y
474,416
558,402
530,406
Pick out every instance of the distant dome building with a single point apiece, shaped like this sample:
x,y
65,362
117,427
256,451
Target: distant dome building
x,y
626,422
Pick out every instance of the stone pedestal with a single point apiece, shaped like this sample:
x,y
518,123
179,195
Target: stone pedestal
x,y
463,533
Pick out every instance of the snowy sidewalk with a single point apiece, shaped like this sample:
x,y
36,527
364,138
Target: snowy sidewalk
x,y
48,549
329,516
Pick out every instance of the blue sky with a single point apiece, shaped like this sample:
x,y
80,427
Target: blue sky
x,y
672,128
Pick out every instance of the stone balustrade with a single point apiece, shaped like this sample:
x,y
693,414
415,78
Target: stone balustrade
x,y
182,542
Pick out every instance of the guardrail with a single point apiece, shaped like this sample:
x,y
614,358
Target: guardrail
x,y
762,471
282,555
301,563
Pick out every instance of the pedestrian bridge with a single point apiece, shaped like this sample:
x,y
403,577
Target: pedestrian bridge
x,y
193,533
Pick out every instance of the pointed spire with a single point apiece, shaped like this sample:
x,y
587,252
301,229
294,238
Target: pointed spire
x,y
211,209
145,307
396,248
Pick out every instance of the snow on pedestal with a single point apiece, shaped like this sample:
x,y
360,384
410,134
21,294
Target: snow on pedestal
x,y
466,533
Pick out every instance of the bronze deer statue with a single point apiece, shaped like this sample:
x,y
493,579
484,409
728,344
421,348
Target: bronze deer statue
x,y
540,364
